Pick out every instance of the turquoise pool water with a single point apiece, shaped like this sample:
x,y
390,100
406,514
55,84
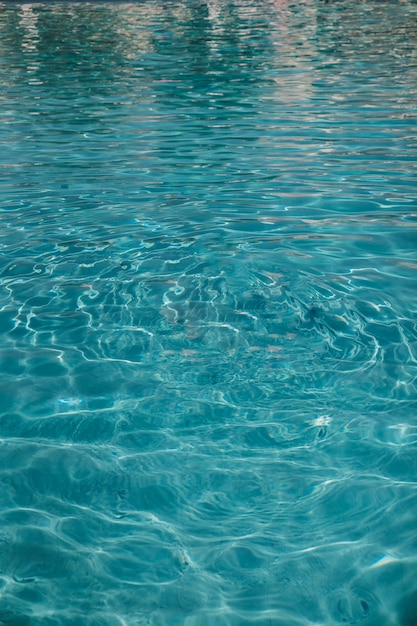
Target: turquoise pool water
x,y
208,296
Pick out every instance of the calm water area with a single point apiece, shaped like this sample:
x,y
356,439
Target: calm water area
x,y
208,298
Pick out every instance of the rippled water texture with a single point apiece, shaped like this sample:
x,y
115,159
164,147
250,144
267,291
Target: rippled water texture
x,y
208,295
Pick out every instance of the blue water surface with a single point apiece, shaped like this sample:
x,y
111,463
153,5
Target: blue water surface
x,y
208,296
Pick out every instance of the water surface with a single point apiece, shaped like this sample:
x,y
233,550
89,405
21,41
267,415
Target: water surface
x,y
208,300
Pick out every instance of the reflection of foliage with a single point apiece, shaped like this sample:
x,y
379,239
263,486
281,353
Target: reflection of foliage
x,y
54,42
91,42
341,32
230,41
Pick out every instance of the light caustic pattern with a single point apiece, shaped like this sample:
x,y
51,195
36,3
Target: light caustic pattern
x,y
208,313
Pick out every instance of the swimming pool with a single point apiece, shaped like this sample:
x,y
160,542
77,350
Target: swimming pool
x,y
208,313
